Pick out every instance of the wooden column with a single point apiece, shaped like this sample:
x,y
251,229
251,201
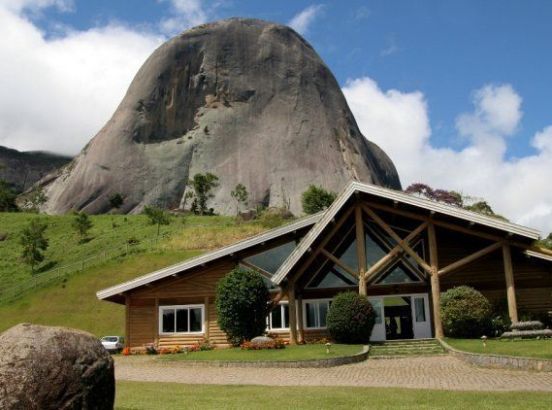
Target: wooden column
x,y
510,287
292,314
361,251
206,318
435,284
127,321
300,319
156,322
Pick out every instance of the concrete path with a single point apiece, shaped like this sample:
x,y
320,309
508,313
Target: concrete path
x,y
432,372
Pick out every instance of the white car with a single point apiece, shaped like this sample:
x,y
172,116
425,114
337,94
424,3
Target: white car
x,y
113,343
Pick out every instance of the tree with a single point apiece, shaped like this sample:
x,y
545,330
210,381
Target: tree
x,y
202,185
81,223
35,199
243,304
157,216
240,195
316,199
116,201
34,243
7,197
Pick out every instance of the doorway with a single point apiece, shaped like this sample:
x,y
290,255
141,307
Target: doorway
x,y
398,317
401,317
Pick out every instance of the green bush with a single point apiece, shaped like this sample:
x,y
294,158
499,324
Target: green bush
x,y
351,318
243,303
465,313
316,199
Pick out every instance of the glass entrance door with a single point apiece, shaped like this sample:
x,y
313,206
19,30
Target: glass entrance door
x,y
401,317
398,317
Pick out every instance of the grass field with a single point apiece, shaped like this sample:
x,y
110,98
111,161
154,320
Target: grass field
x,y
73,302
524,348
169,396
290,353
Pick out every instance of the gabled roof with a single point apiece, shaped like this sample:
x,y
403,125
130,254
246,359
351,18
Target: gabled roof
x,y
399,197
208,257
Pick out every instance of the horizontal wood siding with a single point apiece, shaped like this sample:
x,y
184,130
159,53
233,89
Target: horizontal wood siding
x,y
190,288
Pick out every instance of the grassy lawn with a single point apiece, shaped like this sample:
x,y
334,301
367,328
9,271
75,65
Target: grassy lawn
x,y
290,353
525,348
168,396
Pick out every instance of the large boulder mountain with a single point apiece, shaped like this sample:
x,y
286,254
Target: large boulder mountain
x,y
23,169
247,100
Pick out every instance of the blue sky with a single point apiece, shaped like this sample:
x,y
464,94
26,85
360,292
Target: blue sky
x,y
457,93
445,49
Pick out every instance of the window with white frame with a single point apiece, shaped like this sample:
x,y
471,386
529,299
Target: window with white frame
x,y
278,319
181,319
315,313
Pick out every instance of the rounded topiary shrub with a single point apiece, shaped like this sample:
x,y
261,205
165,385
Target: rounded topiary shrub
x,y
350,318
465,313
243,303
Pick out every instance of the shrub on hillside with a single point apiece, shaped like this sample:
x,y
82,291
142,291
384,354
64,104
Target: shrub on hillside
x,y
243,303
465,313
316,199
351,318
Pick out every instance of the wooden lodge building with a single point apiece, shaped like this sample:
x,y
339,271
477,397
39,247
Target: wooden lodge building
x,y
400,250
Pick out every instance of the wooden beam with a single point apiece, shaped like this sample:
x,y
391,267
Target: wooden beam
x,y
156,322
300,324
292,314
263,272
324,242
448,225
127,321
206,317
470,258
398,239
391,256
361,250
510,287
435,283
342,265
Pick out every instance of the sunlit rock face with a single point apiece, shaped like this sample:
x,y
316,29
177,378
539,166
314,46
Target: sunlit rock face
x,y
247,100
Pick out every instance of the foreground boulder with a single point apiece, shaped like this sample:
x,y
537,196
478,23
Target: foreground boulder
x,y
247,100
44,367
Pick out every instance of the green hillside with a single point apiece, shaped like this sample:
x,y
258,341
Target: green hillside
x,y
70,300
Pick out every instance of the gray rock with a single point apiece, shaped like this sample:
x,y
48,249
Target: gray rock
x,y
247,100
44,367
261,340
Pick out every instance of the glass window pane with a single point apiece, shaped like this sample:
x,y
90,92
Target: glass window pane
x,y
398,274
182,320
310,308
419,307
271,259
168,320
195,320
277,317
323,312
350,257
286,316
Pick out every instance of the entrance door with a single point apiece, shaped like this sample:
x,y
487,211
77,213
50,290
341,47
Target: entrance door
x,y
378,332
401,317
420,315
398,317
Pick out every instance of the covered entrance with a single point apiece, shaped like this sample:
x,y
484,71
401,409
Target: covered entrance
x,y
401,317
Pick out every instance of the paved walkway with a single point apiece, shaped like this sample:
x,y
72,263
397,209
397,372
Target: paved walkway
x,y
433,372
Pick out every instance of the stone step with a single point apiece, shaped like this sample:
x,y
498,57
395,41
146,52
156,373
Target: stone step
x,y
406,348
385,348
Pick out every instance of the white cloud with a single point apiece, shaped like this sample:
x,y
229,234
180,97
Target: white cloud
x,y
57,93
399,123
186,14
302,21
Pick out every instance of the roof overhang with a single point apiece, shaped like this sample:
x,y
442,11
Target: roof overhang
x,y
398,197
115,293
